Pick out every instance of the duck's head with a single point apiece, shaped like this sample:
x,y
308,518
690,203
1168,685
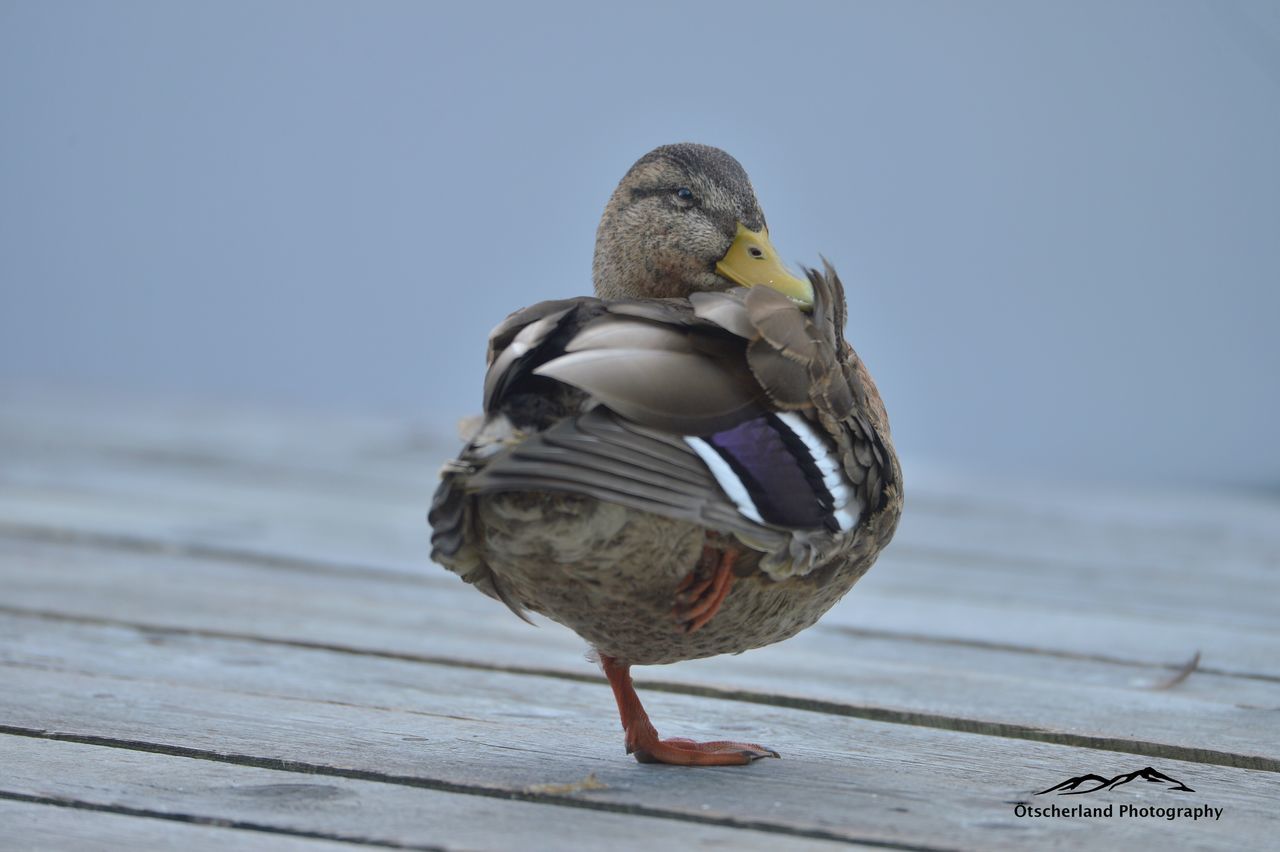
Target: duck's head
x,y
685,219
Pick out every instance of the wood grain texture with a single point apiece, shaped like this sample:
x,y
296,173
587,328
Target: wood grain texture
x,y
196,598
54,826
1108,610
381,460
187,789
958,685
492,733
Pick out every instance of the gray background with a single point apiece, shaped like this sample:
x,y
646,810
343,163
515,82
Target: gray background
x,y
1057,221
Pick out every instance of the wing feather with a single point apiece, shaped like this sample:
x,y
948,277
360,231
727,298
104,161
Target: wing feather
x,y
682,392
601,396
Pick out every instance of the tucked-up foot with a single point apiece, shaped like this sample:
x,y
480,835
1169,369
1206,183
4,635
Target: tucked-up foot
x,y
682,752
699,595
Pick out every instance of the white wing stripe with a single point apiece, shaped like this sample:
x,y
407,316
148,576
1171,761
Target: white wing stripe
x,y
832,477
726,478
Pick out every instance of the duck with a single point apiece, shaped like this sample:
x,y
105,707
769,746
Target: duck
x,y
691,462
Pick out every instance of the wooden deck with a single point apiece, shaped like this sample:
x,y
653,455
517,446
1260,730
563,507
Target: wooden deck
x,y
219,628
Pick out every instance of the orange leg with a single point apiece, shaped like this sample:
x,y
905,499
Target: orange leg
x,y
699,599
642,738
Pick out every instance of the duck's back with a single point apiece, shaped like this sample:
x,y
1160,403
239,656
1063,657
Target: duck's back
x,y
624,441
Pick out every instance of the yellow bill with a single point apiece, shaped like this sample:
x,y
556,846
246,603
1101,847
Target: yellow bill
x,y
752,260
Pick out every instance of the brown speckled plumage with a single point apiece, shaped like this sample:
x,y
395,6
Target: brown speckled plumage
x,y
610,574
587,495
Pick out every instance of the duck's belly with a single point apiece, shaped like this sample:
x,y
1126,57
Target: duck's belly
x,y
610,575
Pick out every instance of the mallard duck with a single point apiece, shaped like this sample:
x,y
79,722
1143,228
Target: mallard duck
x,y
692,462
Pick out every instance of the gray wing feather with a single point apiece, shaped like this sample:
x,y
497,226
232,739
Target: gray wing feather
x,y
614,332
645,374
725,310
599,456
450,520
505,368
709,394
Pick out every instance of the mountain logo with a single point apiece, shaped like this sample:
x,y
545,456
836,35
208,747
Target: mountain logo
x,y
1093,783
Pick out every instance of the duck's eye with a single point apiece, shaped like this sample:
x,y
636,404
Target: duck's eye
x,y
685,194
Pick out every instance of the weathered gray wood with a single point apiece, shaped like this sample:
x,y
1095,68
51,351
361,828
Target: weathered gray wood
x,y
363,473
975,525
1167,584
50,828
1000,608
1150,617
972,688
369,456
384,449
207,431
288,518
413,724
182,788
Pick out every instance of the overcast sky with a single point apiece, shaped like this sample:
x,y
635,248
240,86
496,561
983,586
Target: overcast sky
x,y
1059,223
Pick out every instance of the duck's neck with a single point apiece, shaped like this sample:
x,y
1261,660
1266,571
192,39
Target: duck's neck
x,y
617,268
626,270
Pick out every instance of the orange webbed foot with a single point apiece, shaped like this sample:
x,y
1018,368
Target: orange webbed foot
x,y
684,752
643,740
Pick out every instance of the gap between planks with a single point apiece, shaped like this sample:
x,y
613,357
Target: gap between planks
x,y
1144,748
847,775
1224,610
127,543
1232,718
938,521
211,822
397,816
314,769
48,827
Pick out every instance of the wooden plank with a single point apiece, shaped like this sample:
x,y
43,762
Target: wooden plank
x,y
1017,606
1154,617
445,727
284,516
982,521
368,454
355,488
1155,610
367,812
54,828
1209,717
211,432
